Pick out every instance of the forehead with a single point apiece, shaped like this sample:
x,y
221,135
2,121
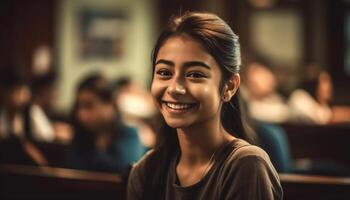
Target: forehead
x,y
87,95
182,48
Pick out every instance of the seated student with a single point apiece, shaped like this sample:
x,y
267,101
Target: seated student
x,y
19,121
19,116
202,150
43,87
137,108
102,142
260,92
310,104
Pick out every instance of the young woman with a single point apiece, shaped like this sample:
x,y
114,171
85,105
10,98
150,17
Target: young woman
x,y
201,151
101,142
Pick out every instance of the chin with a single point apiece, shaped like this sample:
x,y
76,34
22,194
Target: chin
x,y
177,123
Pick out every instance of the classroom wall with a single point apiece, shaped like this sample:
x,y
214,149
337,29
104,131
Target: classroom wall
x,y
138,42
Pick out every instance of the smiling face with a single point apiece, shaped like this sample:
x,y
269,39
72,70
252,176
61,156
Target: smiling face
x,y
186,83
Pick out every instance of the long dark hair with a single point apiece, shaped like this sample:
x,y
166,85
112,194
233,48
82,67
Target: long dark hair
x,y
221,43
83,140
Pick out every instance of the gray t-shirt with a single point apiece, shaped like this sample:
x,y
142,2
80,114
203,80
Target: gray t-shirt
x,y
241,172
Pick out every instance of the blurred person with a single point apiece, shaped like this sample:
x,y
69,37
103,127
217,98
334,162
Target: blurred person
x,y
18,115
16,97
19,121
102,142
137,108
311,102
271,136
43,87
259,89
202,149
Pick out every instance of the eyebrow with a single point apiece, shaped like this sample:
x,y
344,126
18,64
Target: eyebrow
x,y
186,64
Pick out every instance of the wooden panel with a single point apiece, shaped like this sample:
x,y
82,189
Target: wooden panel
x,y
55,153
314,187
29,182
25,26
330,143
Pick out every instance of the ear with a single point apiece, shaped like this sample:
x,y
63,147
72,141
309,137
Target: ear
x,y
231,87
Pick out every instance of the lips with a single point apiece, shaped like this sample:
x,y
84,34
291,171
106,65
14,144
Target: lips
x,y
177,107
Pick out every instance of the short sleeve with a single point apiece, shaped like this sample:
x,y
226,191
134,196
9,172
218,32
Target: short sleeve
x,y
136,179
42,128
134,188
252,177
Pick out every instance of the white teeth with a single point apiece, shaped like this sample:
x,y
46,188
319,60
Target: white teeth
x,y
178,106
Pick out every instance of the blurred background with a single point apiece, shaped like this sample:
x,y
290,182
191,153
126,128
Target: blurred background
x,y
75,77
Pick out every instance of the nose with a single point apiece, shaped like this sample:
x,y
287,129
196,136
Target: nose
x,y
176,87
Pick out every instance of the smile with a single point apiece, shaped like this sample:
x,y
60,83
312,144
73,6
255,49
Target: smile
x,y
179,107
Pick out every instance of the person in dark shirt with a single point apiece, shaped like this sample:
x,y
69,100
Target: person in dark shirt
x,y
102,142
202,149
19,127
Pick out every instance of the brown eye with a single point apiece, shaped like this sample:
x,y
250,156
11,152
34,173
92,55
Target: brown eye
x,y
164,73
195,75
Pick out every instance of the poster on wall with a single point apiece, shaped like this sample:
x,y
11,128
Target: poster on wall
x,y
102,33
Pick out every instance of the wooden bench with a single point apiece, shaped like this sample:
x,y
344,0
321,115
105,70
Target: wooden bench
x,y
328,143
303,187
12,151
55,153
30,182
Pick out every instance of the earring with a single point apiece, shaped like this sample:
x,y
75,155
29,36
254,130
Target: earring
x,y
225,98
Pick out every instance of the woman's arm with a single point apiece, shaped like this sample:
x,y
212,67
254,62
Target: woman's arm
x,y
137,178
134,189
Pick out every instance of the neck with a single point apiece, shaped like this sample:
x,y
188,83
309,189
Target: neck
x,y
40,102
199,142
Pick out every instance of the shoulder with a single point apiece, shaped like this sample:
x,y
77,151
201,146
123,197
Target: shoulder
x,y
137,176
128,130
242,154
300,95
128,133
129,136
138,169
244,150
248,170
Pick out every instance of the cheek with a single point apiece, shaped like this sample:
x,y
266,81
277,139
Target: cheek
x,y
157,90
207,95
83,116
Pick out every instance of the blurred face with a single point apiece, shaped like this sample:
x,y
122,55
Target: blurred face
x,y
186,83
260,81
19,96
93,113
